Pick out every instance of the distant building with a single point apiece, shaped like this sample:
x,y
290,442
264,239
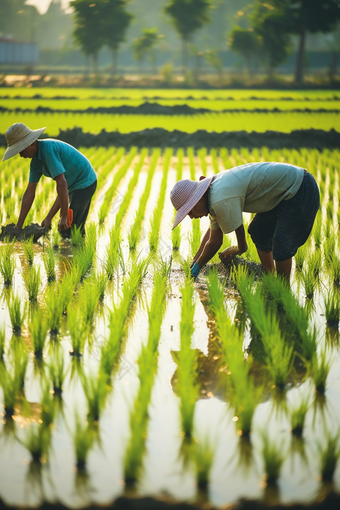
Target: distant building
x,y
18,52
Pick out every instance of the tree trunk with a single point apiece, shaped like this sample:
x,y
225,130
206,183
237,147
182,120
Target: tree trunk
x,y
300,58
184,55
114,61
333,66
95,63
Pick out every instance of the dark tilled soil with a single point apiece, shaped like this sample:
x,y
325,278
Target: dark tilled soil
x,y
330,502
158,137
159,109
10,231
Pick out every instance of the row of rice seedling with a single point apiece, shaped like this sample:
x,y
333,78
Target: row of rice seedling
x,y
176,233
147,366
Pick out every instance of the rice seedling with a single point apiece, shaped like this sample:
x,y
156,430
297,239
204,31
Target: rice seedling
x,y
54,308
96,391
309,281
17,313
48,407
2,343
147,364
49,264
7,263
100,280
32,281
57,372
10,389
298,416
320,367
329,456
19,361
273,459
156,219
83,439
38,327
317,231
112,254
176,233
78,328
28,248
187,388
300,258
55,238
245,395
88,297
77,238
332,308
38,442
204,458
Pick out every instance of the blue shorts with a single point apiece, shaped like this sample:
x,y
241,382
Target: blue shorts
x,y
287,227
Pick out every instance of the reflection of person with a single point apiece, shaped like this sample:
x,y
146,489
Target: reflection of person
x,y
75,178
284,197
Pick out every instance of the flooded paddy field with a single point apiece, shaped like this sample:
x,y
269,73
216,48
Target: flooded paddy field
x,y
120,375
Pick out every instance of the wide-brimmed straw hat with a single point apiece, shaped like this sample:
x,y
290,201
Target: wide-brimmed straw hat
x,y
185,195
19,137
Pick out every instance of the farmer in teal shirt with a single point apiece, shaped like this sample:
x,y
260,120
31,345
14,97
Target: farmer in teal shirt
x,y
75,178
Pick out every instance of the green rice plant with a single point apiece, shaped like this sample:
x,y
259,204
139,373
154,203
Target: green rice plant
x,y
156,219
38,442
54,306
320,367
119,316
19,360
329,456
2,343
335,269
57,371
77,238
298,416
48,407
100,281
55,238
112,254
278,354
204,458
147,364
28,248
78,328
187,387
329,250
10,385
245,396
96,391
295,319
7,263
17,313
317,231
49,264
38,327
67,287
176,233
32,281
83,440
88,297
332,308
309,281
273,458
300,257
135,231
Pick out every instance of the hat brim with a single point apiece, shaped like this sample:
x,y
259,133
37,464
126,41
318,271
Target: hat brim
x,y
22,144
202,187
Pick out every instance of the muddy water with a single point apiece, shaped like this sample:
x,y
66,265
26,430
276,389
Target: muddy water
x,y
237,470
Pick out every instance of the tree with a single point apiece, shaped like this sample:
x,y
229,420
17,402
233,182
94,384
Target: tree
x,y
187,16
214,60
246,43
115,22
303,16
145,44
88,31
270,28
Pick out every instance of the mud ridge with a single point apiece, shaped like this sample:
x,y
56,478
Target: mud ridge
x,y
159,109
159,137
182,98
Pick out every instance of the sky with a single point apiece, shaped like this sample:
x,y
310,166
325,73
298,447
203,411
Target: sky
x,y
42,5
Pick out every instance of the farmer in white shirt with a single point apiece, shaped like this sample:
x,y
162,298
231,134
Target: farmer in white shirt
x,y
284,197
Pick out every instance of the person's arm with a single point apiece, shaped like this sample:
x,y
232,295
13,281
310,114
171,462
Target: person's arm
x,y
63,200
54,209
241,239
203,243
207,250
26,204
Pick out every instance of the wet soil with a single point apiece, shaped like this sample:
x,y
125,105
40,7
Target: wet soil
x,y
13,233
159,137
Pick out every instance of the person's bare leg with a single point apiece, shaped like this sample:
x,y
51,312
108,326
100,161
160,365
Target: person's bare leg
x,y
284,268
267,260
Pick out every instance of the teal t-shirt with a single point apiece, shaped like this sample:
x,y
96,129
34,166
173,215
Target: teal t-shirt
x,y
55,157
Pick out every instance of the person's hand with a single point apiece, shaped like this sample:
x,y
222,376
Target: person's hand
x,y
62,225
195,269
46,223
